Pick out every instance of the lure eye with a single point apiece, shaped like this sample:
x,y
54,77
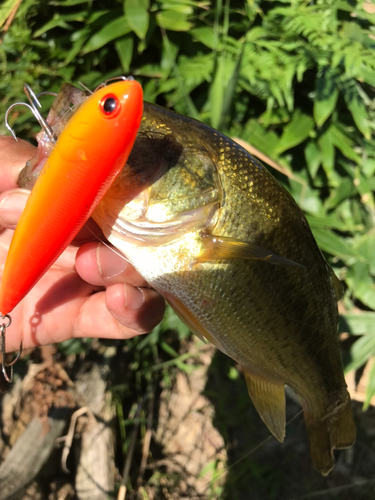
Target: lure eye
x,y
110,105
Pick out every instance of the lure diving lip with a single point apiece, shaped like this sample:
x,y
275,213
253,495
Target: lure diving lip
x,y
89,154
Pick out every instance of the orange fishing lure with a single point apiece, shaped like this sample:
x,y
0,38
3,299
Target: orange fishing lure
x,y
90,152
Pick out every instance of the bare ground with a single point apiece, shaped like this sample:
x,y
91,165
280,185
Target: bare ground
x,y
199,439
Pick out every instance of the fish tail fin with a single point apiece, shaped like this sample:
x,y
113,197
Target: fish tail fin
x,y
345,428
324,437
269,401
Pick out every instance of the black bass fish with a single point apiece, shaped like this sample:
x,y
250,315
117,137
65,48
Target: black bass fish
x,y
212,230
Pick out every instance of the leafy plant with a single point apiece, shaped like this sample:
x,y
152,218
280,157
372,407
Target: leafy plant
x,y
294,79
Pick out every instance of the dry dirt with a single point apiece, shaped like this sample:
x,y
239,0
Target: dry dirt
x,y
205,441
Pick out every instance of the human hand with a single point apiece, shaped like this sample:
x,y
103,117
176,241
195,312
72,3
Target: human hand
x,y
89,291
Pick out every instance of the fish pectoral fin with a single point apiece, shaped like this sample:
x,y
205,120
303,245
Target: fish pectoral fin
x,y
324,436
269,401
222,247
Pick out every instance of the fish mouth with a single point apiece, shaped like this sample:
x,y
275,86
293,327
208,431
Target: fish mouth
x,y
179,199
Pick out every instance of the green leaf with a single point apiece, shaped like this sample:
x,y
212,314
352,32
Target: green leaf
x,y
326,96
364,188
360,352
70,3
195,70
182,6
357,324
344,190
78,38
370,389
313,158
59,21
365,246
169,55
295,132
331,222
255,33
368,167
124,48
344,144
361,283
6,9
260,138
307,198
217,92
230,90
368,76
169,350
360,116
172,20
175,4
205,35
327,152
114,29
138,16
74,346
333,244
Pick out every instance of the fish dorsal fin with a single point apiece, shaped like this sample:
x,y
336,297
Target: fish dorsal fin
x,y
339,290
269,401
222,247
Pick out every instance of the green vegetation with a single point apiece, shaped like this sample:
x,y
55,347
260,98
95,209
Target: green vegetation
x,y
295,79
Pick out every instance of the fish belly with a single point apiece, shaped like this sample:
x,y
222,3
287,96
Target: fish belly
x,y
271,322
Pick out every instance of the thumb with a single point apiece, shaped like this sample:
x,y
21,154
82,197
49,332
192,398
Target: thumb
x,y
13,157
12,203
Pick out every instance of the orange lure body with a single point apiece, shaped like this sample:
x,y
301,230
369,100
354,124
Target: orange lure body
x,y
89,154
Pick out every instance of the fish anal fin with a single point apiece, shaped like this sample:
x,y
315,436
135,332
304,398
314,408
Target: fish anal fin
x,y
223,247
192,322
336,433
269,401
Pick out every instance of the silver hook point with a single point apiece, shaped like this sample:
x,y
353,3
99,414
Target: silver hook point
x,y
34,102
7,114
30,94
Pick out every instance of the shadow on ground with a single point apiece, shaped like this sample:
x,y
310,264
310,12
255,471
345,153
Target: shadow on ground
x,y
259,470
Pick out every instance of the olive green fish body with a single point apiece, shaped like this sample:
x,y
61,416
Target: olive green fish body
x,y
279,322
210,228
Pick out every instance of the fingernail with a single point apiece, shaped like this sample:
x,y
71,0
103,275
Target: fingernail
x,y
110,264
11,207
134,297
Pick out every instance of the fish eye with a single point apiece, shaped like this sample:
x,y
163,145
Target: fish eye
x,y
110,105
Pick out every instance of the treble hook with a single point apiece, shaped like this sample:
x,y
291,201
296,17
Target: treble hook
x,y
4,364
113,79
34,102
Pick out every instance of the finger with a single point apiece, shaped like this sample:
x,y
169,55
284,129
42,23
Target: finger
x,y
139,309
12,203
125,312
13,157
101,266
